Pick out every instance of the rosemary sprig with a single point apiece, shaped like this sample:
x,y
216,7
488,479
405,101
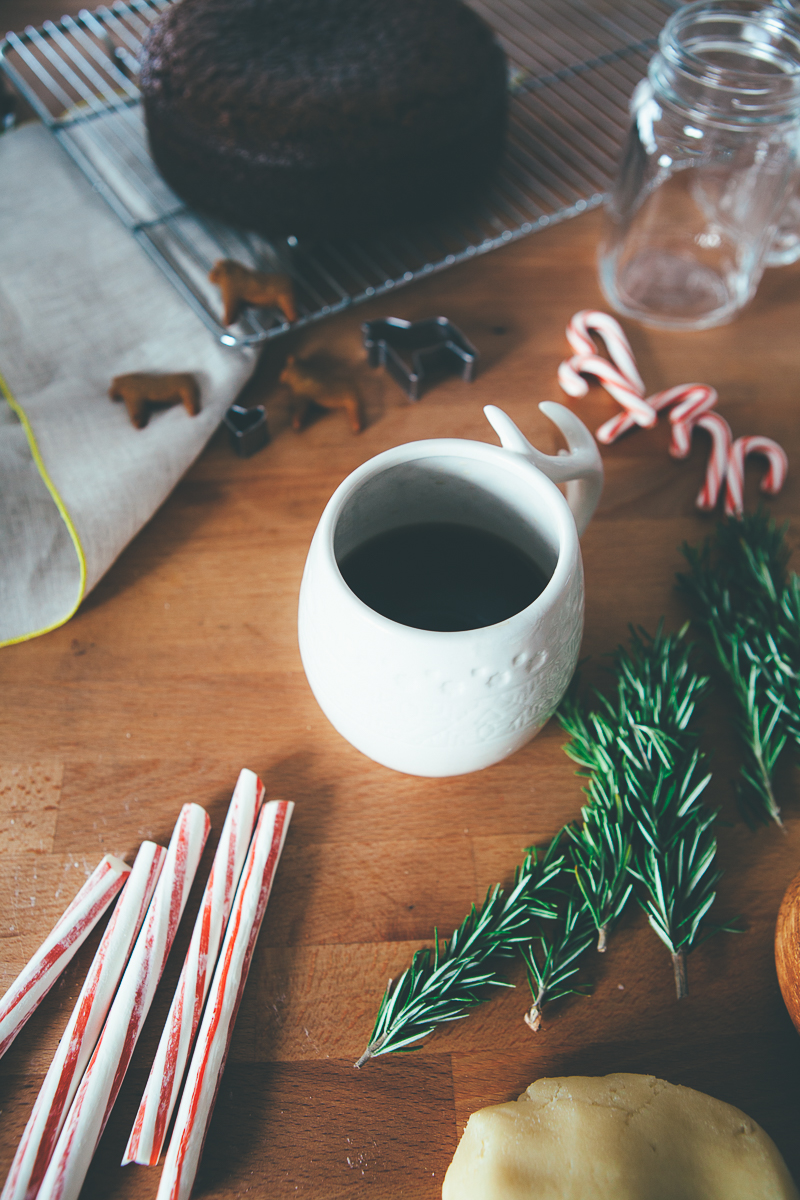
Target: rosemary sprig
x,y
442,983
676,846
561,946
673,861
737,586
600,848
644,821
601,853
645,813
785,662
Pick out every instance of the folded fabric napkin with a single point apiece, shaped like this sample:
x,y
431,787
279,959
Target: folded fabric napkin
x,y
80,302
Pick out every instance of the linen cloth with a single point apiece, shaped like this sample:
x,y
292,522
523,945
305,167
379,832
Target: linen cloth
x,y
80,302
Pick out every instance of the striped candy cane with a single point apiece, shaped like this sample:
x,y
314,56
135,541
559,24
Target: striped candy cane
x,y
60,946
169,1065
718,460
772,482
688,398
690,404
570,376
79,1038
589,320
699,399
620,377
103,1077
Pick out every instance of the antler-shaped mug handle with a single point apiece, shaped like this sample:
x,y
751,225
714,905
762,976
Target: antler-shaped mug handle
x,y
581,467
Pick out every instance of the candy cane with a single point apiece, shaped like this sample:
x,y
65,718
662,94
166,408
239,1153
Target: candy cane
x,y
60,946
169,1065
103,1077
570,376
620,377
699,399
718,460
772,482
689,398
610,330
690,403
79,1038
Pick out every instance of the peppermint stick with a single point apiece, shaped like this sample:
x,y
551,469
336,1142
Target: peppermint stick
x,y
80,1037
227,988
169,1065
60,947
100,1085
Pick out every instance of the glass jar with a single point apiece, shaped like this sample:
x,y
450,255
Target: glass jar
x,y
709,164
785,246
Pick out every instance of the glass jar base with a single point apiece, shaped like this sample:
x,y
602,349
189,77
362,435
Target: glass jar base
x,y
785,246
783,251
668,291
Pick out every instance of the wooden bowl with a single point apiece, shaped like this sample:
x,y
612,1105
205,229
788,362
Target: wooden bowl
x,y
787,950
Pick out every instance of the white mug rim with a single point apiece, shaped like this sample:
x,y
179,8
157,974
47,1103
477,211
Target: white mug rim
x,y
567,535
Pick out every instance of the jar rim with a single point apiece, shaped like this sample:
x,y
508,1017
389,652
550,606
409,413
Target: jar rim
x,y
772,20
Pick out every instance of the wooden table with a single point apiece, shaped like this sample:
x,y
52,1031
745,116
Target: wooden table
x,y
183,666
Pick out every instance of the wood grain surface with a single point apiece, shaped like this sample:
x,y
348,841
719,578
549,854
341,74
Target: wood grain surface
x,y
183,666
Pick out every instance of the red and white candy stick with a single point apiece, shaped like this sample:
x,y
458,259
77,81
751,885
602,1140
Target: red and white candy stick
x,y
59,948
772,482
169,1065
80,1037
216,1030
106,1070
689,399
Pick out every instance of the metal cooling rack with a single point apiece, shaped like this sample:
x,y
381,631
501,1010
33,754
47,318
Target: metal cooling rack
x,y
573,66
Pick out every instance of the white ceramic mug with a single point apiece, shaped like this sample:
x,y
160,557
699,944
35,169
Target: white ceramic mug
x,y
432,703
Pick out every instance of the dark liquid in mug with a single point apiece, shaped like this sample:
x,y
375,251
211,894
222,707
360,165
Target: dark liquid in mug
x,y
442,576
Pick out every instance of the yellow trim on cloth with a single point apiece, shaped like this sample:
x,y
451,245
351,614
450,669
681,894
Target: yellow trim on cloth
x,y
65,517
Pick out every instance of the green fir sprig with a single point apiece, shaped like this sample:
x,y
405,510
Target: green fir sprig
x,y
738,589
444,982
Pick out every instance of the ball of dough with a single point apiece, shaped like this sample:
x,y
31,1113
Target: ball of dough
x,y
620,1137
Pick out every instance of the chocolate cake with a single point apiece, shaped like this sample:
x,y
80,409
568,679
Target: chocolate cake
x,y
323,117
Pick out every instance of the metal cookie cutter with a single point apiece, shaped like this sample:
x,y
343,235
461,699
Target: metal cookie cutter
x,y
247,429
418,353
